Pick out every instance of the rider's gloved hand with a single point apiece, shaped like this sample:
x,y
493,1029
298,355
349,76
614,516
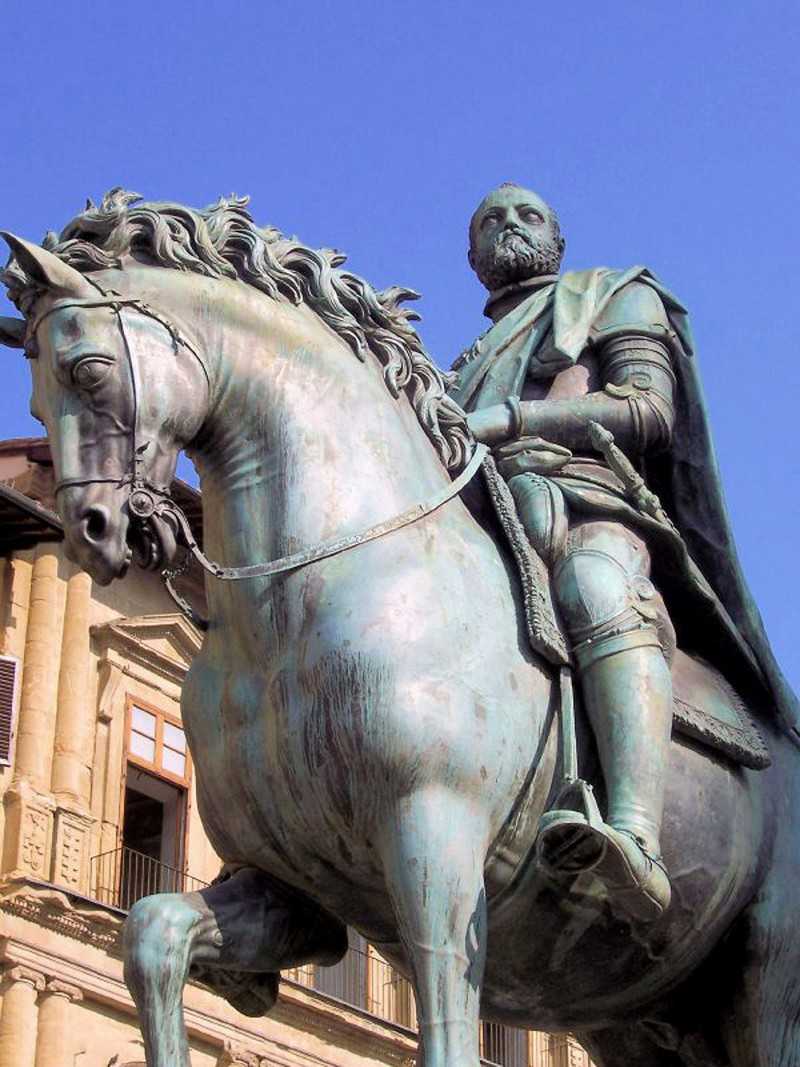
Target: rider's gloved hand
x,y
530,455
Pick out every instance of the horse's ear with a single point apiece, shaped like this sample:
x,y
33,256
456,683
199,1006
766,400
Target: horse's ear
x,y
47,270
12,332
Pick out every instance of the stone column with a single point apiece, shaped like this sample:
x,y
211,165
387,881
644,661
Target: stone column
x,y
73,750
72,756
110,715
54,1042
37,710
18,1021
14,624
27,844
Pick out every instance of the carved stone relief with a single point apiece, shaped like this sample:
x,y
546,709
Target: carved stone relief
x,y
71,850
236,1055
29,821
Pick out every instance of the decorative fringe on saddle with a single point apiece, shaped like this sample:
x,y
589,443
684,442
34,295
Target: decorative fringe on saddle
x,y
544,632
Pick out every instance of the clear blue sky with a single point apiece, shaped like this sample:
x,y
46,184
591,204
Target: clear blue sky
x,y
664,134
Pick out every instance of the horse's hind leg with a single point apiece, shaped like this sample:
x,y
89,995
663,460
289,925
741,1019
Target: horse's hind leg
x,y
244,924
433,851
761,1017
636,1045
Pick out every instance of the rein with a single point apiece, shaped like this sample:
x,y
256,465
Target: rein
x,y
147,500
296,560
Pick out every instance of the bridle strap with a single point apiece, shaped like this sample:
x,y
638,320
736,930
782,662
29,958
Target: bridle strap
x,y
116,303
147,499
67,483
118,480
113,300
311,555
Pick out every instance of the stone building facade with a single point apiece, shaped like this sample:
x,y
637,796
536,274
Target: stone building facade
x,y
97,808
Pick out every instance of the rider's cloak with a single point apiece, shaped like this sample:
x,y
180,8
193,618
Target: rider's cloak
x,y
700,575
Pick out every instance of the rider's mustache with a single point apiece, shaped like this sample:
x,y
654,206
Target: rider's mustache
x,y
514,231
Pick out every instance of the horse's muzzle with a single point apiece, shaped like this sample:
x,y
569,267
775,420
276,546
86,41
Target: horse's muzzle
x,y
97,543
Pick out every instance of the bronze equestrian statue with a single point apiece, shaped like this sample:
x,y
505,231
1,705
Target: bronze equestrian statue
x,y
411,705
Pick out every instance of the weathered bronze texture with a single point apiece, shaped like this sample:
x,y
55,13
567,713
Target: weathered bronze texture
x,y
375,738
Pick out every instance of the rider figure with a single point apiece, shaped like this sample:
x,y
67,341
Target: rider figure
x,y
565,352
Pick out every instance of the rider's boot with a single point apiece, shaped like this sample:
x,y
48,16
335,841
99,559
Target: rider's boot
x,y
627,693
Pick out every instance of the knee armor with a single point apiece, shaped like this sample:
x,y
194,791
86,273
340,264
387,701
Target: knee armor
x,y
606,609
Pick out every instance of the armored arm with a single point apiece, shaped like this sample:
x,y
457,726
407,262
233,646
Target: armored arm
x,y
636,403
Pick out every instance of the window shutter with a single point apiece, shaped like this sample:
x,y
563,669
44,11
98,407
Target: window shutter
x,y
9,669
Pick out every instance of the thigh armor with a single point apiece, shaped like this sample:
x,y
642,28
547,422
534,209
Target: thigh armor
x,y
600,572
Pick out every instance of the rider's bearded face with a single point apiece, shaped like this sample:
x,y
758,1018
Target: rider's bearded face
x,y
514,237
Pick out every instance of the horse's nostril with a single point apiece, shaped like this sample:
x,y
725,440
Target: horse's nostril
x,y
95,523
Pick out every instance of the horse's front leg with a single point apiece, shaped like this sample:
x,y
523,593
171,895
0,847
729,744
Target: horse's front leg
x,y
433,849
244,924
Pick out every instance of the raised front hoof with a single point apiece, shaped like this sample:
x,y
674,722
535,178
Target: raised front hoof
x,y
253,995
636,883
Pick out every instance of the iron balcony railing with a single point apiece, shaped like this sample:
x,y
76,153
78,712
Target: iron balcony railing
x,y
505,1046
364,980
122,876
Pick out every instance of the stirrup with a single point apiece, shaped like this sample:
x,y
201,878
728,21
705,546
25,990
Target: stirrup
x,y
571,836
572,842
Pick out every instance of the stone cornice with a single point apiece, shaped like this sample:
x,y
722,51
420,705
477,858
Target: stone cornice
x,y
53,909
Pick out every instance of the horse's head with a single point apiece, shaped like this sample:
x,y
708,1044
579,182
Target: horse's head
x,y
120,391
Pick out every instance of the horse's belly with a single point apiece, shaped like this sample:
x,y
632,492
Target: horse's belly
x,y
565,959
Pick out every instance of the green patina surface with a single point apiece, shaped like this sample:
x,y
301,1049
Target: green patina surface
x,y
376,741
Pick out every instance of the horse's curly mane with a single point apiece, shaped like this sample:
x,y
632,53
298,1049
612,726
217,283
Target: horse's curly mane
x,y
223,241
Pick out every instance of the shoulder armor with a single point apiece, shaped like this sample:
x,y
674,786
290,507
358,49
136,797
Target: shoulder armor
x,y
636,308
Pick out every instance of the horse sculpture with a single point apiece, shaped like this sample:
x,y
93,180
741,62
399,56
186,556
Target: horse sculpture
x,y
374,739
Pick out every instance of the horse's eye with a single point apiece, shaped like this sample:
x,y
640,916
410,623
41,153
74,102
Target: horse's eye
x,y
90,371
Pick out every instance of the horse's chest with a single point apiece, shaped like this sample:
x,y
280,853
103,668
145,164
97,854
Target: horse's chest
x,y
281,768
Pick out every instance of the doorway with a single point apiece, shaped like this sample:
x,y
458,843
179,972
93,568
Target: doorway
x,y
153,830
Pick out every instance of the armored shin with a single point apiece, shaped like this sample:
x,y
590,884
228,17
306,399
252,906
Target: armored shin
x,y
628,698
626,685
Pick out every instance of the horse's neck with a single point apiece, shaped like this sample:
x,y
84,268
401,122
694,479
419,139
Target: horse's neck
x,y
304,443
